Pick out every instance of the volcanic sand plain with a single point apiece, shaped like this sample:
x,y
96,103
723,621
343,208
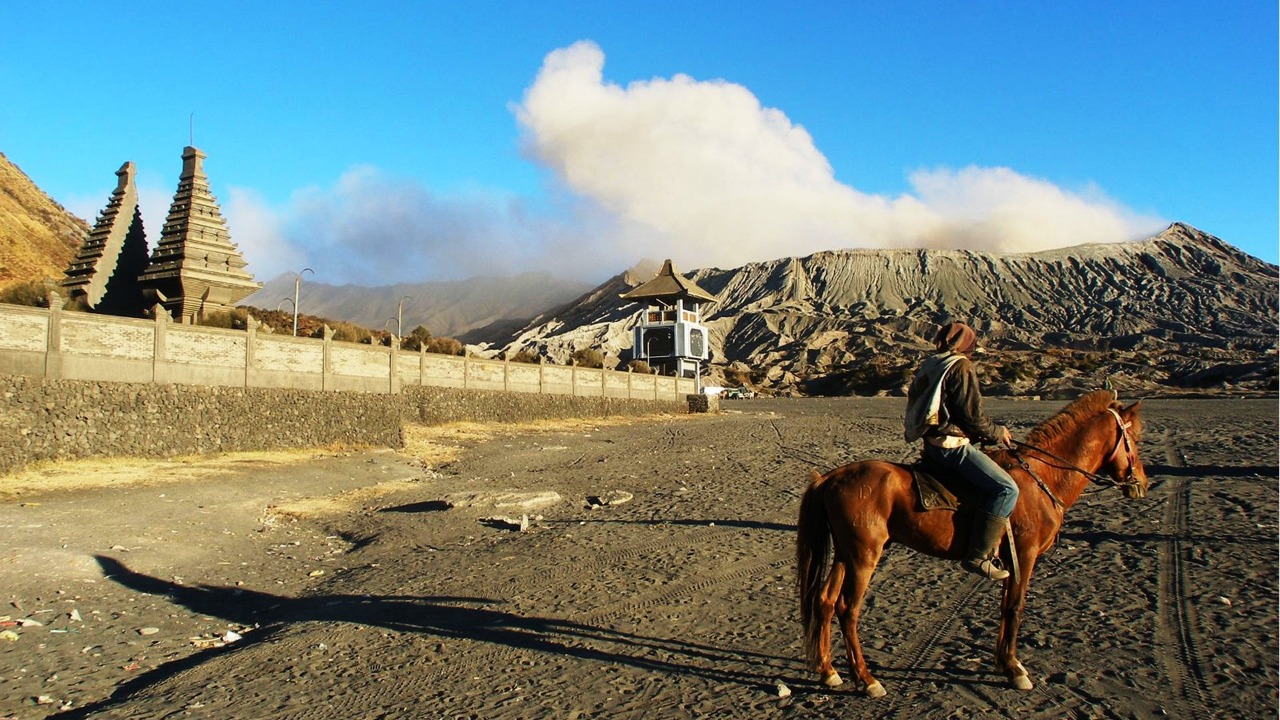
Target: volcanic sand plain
x,y
340,584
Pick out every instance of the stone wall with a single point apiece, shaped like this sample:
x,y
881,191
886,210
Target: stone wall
x,y
43,419
435,406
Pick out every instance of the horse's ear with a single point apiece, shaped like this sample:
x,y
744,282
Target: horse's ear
x,y
1133,409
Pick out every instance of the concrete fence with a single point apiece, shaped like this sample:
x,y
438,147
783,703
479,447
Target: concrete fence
x,y
60,345
75,385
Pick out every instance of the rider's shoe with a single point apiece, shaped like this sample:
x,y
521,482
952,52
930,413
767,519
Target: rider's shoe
x,y
984,540
985,567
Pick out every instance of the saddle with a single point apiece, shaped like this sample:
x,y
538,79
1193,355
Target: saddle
x,y
937,488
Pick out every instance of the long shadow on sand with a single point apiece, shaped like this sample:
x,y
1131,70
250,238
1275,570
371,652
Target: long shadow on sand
x,y
721,523
1266,472
469,618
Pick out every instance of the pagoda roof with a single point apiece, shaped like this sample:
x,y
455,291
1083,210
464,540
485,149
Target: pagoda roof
x,y
668,284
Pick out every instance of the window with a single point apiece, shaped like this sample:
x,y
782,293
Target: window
x,y
659,342
697,346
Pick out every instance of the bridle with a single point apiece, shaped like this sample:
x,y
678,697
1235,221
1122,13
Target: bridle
x,y
1123,441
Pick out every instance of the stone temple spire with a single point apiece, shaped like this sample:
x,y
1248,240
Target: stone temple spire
x,y
195,268
104,274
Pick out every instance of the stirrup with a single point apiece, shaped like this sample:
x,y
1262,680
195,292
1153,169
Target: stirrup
x,y
985,568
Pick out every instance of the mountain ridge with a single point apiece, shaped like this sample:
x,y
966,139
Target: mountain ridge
x,y
446,308
790,323
1183,310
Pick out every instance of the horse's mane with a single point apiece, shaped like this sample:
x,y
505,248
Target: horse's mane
x,y
1070,417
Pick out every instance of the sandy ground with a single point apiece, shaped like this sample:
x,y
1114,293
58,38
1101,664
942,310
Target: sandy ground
x,y
339,584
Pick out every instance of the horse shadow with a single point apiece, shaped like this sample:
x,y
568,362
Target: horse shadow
x,y
470,618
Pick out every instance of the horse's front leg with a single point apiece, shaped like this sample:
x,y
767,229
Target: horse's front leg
x,y
1011,605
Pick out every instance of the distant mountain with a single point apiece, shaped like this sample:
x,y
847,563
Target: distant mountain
x,y
1180,311
448,309
38,237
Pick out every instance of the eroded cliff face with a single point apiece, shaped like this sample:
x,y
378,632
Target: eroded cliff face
x,y
1182,311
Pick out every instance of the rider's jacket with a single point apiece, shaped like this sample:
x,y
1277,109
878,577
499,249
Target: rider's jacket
x,y
960,411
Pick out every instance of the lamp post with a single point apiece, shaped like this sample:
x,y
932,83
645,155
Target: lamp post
x,y
400,316
297,285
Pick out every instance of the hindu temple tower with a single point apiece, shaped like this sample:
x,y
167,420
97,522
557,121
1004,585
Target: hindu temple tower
x,y
104,274
195,269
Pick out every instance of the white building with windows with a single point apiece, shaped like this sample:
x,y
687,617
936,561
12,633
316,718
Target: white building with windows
x,y
670,336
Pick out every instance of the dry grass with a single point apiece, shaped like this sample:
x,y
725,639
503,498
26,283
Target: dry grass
x,y
343,502
432,445
436,445
63,475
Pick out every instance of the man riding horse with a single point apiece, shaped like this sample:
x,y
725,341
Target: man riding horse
x,y
944,409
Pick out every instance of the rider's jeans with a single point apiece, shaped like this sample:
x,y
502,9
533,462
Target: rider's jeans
x,y
999,491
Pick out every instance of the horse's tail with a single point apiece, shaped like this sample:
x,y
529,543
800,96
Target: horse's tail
x,y
813,544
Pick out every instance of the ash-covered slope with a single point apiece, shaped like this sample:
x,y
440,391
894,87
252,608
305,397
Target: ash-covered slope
x,y
817,323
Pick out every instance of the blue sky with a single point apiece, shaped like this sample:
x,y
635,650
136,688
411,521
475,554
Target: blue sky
x,y
383,142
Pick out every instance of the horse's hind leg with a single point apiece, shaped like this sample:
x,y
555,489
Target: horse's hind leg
x,y
865,556
828,607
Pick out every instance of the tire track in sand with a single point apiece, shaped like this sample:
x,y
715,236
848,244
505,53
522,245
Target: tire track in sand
x,y
931,630
1184,669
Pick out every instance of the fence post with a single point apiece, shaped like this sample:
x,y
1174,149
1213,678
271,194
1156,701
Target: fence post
x,y
53,339
326,363
466,371
422,365
573,378
393,377
158,350
506,374
250,338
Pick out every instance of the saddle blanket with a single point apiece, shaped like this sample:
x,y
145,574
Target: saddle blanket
x,y
937,489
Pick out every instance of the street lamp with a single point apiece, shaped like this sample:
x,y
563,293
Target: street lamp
x,y
400,316
283,301
297,285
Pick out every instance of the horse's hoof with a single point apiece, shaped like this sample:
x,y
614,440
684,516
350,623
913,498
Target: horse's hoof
x,y
1022,682
876,690
832,680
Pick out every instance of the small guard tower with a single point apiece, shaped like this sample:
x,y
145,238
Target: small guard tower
x,y
670,335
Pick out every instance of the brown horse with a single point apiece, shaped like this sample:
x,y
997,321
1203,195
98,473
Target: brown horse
x,y
864,506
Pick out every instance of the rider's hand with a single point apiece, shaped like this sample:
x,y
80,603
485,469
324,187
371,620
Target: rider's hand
x,y
1004,437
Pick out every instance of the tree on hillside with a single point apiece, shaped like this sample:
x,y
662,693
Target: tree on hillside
x,y
417,339
588,357
445,346
525,356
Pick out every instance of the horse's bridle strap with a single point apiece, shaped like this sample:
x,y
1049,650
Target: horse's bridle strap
x,y
1121,440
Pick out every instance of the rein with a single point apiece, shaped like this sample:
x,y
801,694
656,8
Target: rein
x,y
1121,441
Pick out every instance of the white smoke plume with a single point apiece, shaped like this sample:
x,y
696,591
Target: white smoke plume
x,y
697,171
717,179
370,228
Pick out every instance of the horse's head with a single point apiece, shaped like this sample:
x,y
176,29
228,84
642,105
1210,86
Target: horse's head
x,y
1123,464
